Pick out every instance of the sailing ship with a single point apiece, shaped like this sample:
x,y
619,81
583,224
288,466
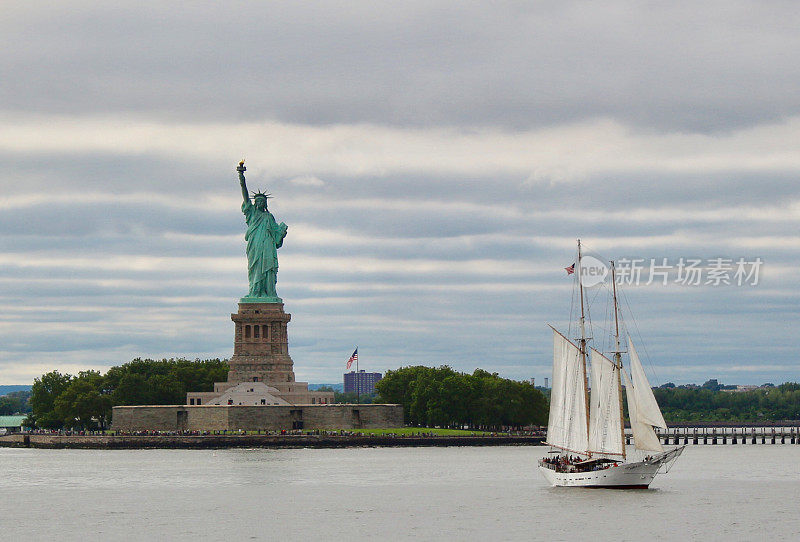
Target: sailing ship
x,y
586,431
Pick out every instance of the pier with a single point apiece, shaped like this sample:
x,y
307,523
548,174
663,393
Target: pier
x,y
727,435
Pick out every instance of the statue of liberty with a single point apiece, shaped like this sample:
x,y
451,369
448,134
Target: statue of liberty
x,y
264,237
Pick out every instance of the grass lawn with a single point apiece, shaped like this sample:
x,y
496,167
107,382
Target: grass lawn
x,y
416,430
390,430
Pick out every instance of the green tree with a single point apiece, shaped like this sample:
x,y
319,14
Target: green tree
x,y
85,401
350,397
711,384
7,406
162,382
82,405
16,402
446,398
131,390
44,392
687,404
397,386
166,390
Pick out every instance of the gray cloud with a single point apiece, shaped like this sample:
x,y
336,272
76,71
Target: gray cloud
x,y
434,162
684,66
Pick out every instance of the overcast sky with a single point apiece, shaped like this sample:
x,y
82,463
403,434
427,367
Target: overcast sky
x,y
434,161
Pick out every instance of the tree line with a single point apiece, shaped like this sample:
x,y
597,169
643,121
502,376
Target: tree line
x,y
711,403
443,397
84,401
15,402
431,396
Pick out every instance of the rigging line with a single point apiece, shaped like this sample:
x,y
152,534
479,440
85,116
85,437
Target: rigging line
x,y
607,321
641,339
573,297
571,306
596,294
623,330
600,344
589,304
591,323
571,309
594,254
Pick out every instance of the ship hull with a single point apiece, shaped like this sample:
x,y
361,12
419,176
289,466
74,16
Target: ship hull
x,y
624,476
636,475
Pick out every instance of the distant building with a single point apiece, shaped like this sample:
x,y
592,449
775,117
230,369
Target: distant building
x,y
546,382
11,424
361,382
740,389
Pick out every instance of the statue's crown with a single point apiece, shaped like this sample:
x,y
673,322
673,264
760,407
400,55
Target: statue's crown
x,y
261,194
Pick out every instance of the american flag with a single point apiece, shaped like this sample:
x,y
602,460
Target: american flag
x,y
353,358
570,270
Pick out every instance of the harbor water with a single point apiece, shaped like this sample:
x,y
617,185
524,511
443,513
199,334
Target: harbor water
x,y
470,493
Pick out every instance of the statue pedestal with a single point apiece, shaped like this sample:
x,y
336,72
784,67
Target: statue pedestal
x,y
261,344
260,354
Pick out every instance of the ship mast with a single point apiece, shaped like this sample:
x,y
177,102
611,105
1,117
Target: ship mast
x,y
583,342
618,357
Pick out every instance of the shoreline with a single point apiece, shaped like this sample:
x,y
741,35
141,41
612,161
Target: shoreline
x,y
198,442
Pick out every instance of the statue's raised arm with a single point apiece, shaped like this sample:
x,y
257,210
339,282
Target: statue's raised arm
x,y
241,169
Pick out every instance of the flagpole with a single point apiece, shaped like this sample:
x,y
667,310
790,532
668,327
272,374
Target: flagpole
x,y
358,387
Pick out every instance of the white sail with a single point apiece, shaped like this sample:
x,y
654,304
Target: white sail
x,y
644,438
605,422
646,405
567,426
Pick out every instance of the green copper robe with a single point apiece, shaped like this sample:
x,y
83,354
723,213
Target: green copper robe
x,y
264,237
